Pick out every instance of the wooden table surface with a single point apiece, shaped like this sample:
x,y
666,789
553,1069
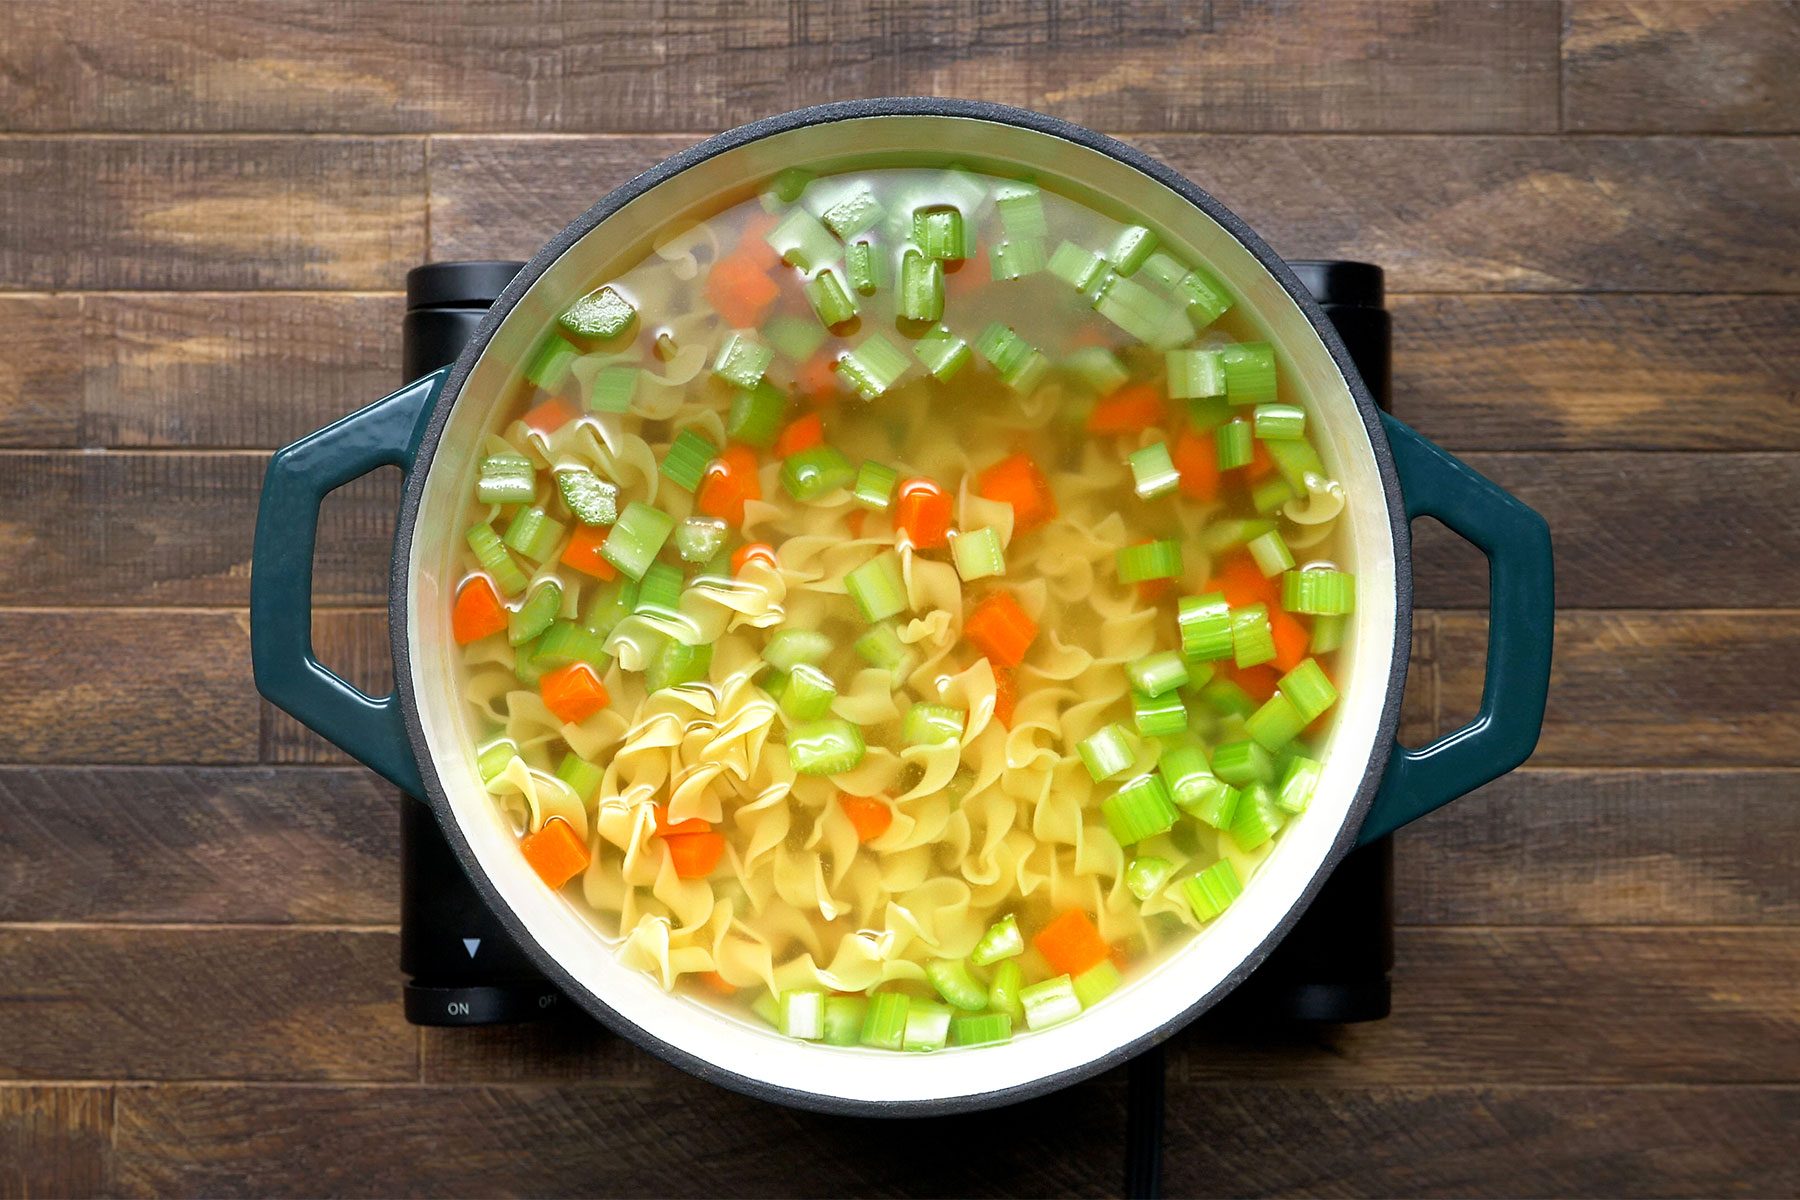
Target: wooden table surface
x,y
1590,217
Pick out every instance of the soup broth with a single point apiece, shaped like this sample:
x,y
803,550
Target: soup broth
x,y
900,606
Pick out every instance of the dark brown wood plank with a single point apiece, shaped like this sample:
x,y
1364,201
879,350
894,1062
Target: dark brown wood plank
x,y
153,1003
1676,66
1441,213
702,66
197,844
55,1141
127,686
600,1139
1641,689
40,370
210,212
355,645
1599,372
1625,847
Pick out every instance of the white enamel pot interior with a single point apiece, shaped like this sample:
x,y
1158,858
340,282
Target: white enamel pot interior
x,y
1155,1001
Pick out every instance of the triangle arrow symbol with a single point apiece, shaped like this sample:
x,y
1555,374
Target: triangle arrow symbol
x,y
471,945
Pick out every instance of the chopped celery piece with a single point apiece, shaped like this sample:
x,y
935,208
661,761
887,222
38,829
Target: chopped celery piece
x,y
1021,209
1218,806
506,479
1295,461
566,642
789,648
884,1024
659,592
1195,374
1081,269
1020,363
1149,560
831,302
1207,413
1327,632
1133,245
1196,790
526,668
877,587
874,486
1279,422
854,213
1243,763
1221,536
611,604
825,747
1015,258
1157,673
978,554
1146,875
927,1026
636,538
602,313
1257,818
921,293
1249,372
1298,783
1275,724
677,663
1228,699
533,534
942,352
534,616
1159,716
1252,638
1097,983
583,777
1319,591
816,471
983,1030
873,367
551,363
1211,892
613,389
1004,989
951,978
1153,473
786,187
1097,367
938,231
685,463
493,758
863,269
931,724
882,647
1107,752
1271,553
803,1015
1206,297
591,499
794,338
1271,494
808,694
742,360
1232,440
1140,809
1143,314
844,1019
802,241
768,1007
698,539
1050,1002
1165,269
491,553
756,416
1002,940
1309,688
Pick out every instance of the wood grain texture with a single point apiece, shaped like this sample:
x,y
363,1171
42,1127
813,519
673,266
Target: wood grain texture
x,y
197,844
602,1139
1473,214
155,1003
1626,847
1639,689
576,67
210,212
1599,372
55,1141
1666,66
41,370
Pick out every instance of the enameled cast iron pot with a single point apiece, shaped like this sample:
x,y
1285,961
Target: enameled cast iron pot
x,y
431,429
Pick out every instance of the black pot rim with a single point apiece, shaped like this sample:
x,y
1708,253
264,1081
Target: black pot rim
x,y
618,198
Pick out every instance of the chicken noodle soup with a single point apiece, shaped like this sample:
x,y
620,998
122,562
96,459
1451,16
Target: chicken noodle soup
x,y
901,605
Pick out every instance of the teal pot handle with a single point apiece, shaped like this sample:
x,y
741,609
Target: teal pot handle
x,y
287,523
1521,615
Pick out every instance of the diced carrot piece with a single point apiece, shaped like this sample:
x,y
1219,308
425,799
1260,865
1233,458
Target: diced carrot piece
x,y
695,854
1259,681
717,983
1006,694
1000,629
1197,458
802,434
730,480
854,522
817,378
1152,590
870,816
1120,959
750,552
478,612
1290,638
1071,944
583,552
1242,582
664,828
1016,480
1129,410
555,852
574,693
551,415
968,276
741,290
922,513
1261,465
